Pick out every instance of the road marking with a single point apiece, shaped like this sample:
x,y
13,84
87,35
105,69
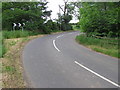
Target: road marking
x,y
97,74
55,46
70,33
59,36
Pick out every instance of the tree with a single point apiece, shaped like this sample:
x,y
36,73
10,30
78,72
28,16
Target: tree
x,y
67,15
99,18
34,14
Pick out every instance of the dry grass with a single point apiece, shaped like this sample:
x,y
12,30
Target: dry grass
x,y
1,72
12,69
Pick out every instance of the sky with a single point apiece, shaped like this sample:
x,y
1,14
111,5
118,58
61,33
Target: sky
x,y
54,6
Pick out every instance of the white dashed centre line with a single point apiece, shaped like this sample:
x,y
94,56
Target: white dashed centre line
x,y
59,36
97,74
55,46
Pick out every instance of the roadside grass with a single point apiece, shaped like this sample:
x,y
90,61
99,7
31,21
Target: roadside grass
x,y
11,44
106,46
18,34
75,28
12,68
0,73
13,34
0,44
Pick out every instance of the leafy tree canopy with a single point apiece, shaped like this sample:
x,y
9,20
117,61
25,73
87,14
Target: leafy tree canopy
x,y
33,14
100,18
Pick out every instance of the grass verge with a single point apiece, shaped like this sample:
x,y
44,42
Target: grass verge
x,y
12,69
13,34
106,46
18,34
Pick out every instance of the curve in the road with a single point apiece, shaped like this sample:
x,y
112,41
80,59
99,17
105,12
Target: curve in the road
x,y
51,61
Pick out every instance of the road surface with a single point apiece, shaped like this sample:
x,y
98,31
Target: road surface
x,y
57,61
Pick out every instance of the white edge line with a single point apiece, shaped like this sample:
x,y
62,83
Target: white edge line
x,y
97,74
55,46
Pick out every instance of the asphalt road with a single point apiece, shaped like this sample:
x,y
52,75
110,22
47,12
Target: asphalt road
x,y
57,61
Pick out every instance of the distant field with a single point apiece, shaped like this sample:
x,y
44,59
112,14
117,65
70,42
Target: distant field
x,y
106,46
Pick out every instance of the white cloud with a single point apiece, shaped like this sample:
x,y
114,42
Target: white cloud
x,y
54,6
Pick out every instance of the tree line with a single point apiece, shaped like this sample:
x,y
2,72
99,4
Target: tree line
x,y
35,16
99,18
95,18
